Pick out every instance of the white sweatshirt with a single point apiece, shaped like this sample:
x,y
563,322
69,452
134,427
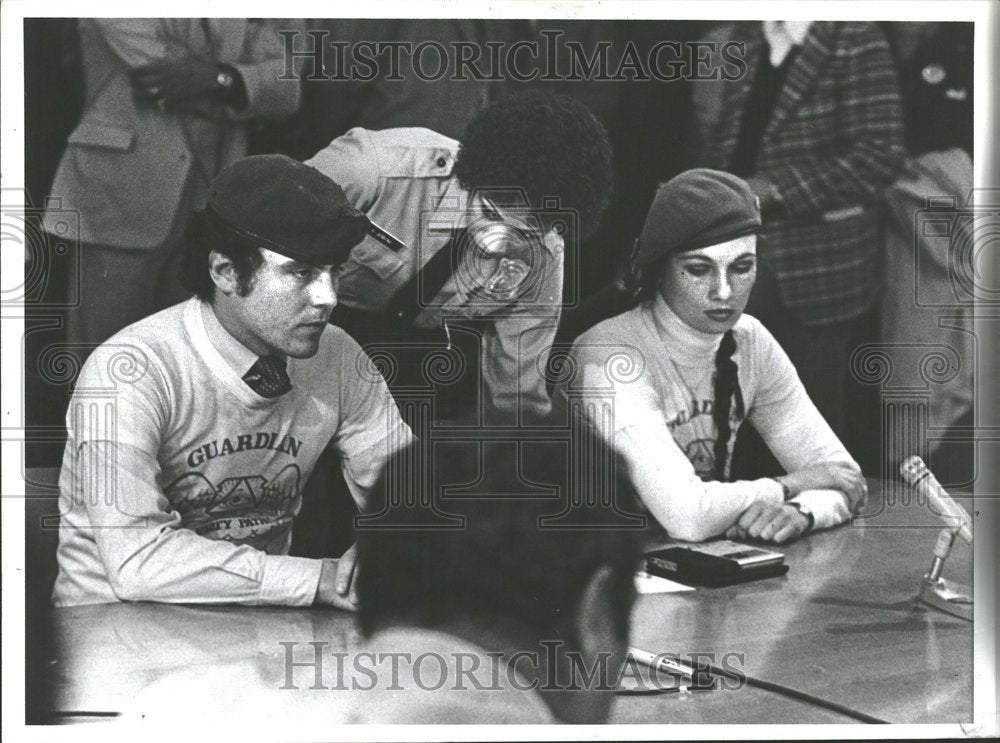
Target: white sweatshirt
x,y
648,380
179,483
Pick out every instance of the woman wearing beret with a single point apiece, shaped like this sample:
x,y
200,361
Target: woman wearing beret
x,y
670,381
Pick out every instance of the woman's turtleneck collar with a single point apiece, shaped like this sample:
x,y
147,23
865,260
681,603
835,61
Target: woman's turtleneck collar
x,y
688,347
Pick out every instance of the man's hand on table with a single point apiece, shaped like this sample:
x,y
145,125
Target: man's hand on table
x,y
338,582
769,523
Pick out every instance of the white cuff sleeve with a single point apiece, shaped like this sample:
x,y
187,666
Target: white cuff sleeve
x,y
289,581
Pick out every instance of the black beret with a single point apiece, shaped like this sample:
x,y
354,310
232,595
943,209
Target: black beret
x,y
697,209
286,206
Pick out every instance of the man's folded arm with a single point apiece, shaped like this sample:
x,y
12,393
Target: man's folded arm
x,y
149,556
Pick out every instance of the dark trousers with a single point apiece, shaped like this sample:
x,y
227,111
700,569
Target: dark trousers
x,y
118,287
411,361
438,365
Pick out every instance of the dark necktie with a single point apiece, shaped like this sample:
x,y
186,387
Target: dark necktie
x,y
268,378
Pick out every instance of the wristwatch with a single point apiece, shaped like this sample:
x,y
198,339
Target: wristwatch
x,y
224,80
805,511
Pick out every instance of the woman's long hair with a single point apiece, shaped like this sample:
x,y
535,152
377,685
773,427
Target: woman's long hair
x,y
727,387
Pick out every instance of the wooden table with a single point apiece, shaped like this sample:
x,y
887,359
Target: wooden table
x,y
842,625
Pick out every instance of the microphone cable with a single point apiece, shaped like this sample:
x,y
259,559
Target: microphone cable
x,y
794,694
673,666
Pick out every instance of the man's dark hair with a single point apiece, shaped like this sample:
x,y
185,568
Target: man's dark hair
x,y
504,563
201,237
549,145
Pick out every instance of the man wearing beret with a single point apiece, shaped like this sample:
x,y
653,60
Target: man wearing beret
x,y
477,235
192,432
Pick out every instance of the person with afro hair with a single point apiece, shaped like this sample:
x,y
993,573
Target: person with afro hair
x,y
466,247
548,145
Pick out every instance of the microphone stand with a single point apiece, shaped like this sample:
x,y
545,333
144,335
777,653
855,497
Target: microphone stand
x,y
945,595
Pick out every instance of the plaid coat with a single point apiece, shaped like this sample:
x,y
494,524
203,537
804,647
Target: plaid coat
x,y
834,142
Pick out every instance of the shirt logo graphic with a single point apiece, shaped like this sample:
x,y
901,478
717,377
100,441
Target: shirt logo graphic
x,y
240,509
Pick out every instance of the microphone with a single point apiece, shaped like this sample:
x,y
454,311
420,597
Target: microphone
x,y
915,472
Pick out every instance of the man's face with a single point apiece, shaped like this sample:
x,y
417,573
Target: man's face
x,y
493,226
504,244
285,309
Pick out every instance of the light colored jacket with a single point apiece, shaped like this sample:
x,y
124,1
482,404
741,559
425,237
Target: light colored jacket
x,y
134,173
927,306
402,179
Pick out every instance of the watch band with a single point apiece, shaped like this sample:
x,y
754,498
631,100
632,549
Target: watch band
x,y
230,88
786,491
224,80
805,512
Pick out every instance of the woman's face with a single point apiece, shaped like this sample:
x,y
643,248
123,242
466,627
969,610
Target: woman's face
x,y
708,288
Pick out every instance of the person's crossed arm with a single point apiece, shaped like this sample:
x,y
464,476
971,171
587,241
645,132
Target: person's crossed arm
x,y
823,480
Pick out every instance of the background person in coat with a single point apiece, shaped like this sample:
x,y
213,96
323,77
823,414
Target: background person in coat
x,y
816,129
167,106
